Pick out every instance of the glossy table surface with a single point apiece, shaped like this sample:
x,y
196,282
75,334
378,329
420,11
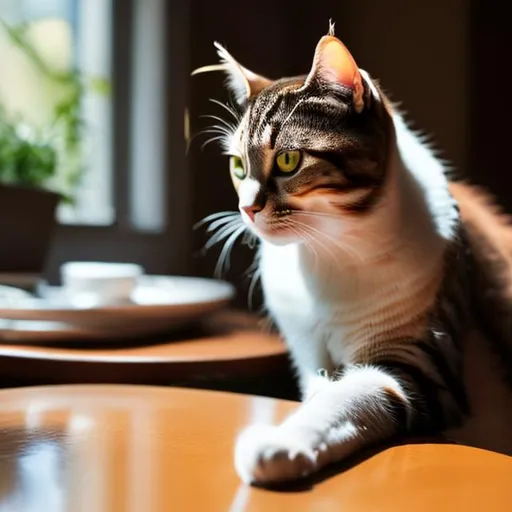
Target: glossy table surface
x,y
147,449
227,343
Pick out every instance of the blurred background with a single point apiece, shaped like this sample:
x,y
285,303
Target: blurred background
x,y
97,94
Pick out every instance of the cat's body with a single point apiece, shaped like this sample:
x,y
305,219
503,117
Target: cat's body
x,y
392,303
371,302
367,297
317,304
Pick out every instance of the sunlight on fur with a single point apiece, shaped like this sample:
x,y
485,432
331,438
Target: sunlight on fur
x,y
375,268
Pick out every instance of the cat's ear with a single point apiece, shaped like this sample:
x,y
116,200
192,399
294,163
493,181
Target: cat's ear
x,y
333,64
242,82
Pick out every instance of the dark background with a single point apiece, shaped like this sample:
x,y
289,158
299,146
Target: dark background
x,y
447,61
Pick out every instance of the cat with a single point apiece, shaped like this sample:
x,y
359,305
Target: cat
x,y
388,281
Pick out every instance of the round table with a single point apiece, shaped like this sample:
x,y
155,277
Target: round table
x,y
147,449
227,344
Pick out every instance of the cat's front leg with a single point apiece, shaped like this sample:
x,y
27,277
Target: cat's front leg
x,y
311,362
313,382
340,417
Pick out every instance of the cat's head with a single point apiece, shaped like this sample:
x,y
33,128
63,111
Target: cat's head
x,y
307,152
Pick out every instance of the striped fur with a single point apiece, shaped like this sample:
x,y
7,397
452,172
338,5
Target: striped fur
x,y
285,117
379,274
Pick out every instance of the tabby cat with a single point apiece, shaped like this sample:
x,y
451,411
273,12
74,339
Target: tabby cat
x,y
389,283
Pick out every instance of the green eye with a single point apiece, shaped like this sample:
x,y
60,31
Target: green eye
x,y
236,167
288,161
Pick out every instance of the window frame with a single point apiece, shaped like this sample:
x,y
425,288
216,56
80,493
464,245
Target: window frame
x,y
163,250
93,52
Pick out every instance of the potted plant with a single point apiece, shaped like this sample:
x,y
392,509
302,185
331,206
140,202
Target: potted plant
x,y
27,208
40,143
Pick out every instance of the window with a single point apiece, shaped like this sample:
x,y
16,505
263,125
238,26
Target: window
x,y
132,203
67,34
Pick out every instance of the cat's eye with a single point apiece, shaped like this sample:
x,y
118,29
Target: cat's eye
x,y
288,161
237,167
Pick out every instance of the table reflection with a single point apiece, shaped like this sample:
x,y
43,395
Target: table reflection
x,y
140,449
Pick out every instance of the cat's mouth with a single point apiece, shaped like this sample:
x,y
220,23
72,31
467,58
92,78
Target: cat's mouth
x,y
272,226
276,227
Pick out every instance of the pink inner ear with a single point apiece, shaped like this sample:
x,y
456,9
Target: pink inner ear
x,y
336,64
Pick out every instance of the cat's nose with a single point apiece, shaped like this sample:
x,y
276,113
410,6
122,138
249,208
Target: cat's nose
x,y
252,210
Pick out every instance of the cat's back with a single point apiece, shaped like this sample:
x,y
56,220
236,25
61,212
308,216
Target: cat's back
x,y
489,425
489,236
488,349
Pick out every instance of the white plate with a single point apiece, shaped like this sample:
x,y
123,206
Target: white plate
x,y
34,331
159,303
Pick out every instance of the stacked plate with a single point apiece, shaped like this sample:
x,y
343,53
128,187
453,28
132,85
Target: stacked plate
x,y
152,306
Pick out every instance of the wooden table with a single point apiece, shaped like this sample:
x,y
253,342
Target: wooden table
x,y
229,346
147,449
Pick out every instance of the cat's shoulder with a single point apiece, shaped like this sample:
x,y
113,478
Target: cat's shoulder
x,y
488,227
480,209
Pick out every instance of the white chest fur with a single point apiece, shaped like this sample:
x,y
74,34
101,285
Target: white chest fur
x,y
293,306
331,315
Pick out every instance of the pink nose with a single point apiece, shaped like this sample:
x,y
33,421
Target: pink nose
x,y
251,210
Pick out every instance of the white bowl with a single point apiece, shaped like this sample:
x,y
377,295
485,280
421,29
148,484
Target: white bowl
x,y
13,296
91,284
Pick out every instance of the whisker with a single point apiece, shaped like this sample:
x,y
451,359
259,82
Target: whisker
x,y
316,214
217,129
220,222
237,116
303,235
345,249
344,235
221,234
192,139
252,267
256,276
223,262
214,216
223,134
250,239
226,225
324,245
227,124
213,139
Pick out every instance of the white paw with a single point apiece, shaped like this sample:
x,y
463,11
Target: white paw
x,y
266,453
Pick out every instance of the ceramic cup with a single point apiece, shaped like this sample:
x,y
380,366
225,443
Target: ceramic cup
x,y
90,284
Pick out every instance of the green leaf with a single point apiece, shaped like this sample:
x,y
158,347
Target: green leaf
x,y
38,160
100,86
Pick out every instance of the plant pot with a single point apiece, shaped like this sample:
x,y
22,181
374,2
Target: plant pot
x,y
27,221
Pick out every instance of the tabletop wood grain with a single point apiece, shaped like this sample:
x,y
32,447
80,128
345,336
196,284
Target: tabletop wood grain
x,y
226,344
147,449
